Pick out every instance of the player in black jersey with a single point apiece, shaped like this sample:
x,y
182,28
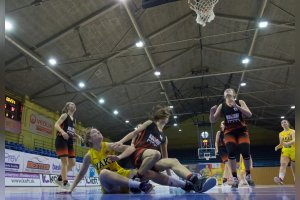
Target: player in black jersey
x,y
222,153
236,135
151,151
65,135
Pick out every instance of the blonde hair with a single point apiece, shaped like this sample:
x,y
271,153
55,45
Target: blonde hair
x,y
87,137
65,109
160,112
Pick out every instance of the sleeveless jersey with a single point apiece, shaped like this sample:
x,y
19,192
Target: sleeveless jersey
x,y
232,117
100,160
287,136
68,126
150,138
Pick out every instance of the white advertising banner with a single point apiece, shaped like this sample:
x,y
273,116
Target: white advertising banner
x,y
76,168
22,179
36,163
55,166
13,160
40,124
92,181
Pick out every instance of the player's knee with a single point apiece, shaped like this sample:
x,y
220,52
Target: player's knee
x,y
71,163
156,155
104,173
64,161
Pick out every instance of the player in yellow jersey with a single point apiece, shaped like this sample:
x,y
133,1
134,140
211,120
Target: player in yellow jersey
x,y
287,143
114,178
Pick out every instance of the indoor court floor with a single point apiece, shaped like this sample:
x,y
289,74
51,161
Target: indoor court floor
x,y
159,193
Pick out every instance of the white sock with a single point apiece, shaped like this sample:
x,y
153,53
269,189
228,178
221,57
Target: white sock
x,y
133,184
281,175
175,182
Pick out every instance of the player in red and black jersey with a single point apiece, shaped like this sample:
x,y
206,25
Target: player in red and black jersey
x,y
65,127
236,135
151,152
222,152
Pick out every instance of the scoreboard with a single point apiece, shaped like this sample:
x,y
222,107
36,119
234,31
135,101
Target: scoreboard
x,y
13,108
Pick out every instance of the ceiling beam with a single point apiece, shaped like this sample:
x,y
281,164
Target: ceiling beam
x,y
60,76
120,52
253,20
67,31
250,52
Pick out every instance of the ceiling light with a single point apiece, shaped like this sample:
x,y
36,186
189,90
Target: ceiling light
x,y
293,107
282,117
175,117
101,101
8,25
175,124
243,84
127,121
139,44
116,112
157,73
52,61
263,24
81,84
245,60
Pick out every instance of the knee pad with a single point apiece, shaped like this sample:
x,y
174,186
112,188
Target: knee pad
x,y
231,150
245,150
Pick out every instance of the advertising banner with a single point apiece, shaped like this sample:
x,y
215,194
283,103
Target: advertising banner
x,y
40,124
36,163
21,179
13,160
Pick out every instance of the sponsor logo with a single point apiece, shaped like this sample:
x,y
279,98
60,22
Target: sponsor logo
x,y
11,158
34,165
56,167
92,180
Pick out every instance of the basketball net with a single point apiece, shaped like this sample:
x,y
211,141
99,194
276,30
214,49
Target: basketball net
x,y
204,10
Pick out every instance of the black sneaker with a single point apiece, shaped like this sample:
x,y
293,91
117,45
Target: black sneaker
x,y
235,183
189,186
146,187
203,184
249,180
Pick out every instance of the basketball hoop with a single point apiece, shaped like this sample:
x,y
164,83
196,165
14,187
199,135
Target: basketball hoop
x,y
204,10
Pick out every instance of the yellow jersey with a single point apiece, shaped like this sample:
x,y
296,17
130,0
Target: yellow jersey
x,y
100,160
286,136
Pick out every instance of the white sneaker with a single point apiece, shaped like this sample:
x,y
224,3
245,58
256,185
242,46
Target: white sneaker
x,y
278,180
249,180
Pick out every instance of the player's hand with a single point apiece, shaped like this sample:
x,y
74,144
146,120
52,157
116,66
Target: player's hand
x,y
276,148
213,109
113,158
116,144
65,136
233,103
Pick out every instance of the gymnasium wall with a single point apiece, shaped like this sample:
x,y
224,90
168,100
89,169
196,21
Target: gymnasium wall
x,y
188,138
37,127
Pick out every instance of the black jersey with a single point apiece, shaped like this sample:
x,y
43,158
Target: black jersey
x,y
150,138
233,118
68,126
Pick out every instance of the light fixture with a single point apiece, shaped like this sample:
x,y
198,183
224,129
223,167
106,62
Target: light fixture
x,y
116,112
204,134
8,25
175,124
293,107
245,60
243,84
157,73
171,107
139,44
175,117
52,61
179,130
263,24
81,84
101,101
127,121
282,117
